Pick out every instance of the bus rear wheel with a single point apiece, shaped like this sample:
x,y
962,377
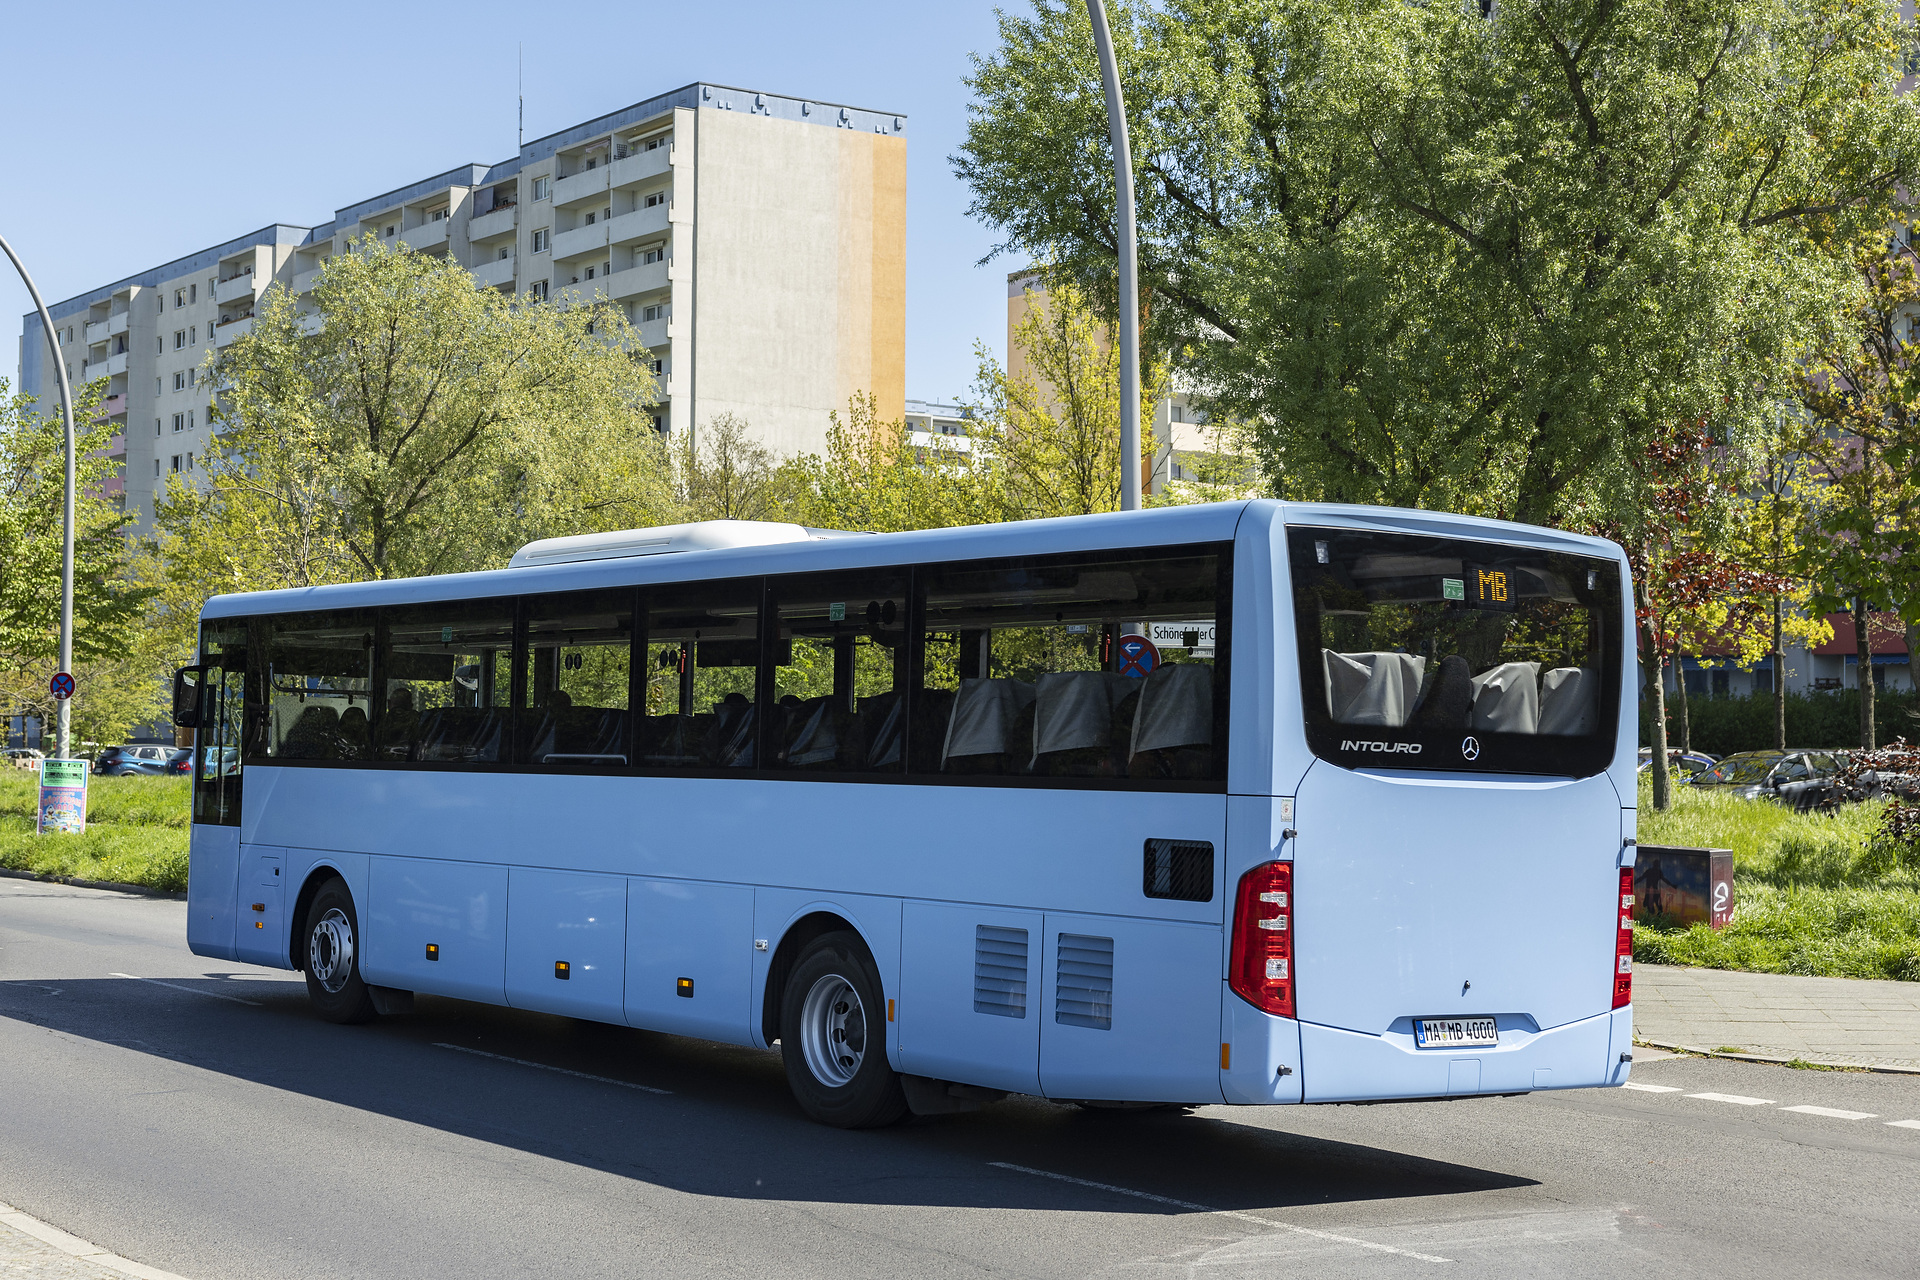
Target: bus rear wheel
x,y
333,957
833,1035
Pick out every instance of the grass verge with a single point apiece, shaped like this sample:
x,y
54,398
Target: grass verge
x,y
1813,894
136,832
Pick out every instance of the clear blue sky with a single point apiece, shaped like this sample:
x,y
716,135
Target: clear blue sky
x,y
183,125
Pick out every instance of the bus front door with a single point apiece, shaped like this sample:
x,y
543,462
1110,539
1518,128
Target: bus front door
x,y
213,859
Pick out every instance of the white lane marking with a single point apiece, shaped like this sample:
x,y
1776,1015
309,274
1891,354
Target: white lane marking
x,y
1651,1088
192,991
74,1246
1224,1213
1832,1113
1734,1098
522,1062
1905,1124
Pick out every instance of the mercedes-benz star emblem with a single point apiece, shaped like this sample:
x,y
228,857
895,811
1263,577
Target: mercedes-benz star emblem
x,y
1470,748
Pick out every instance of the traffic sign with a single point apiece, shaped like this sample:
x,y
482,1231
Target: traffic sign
x,y
1138,656
61,685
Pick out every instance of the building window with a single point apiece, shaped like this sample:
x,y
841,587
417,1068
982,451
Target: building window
x,y
159,348
193,293
505,253
179,423
650,256
193,334
654,144
656,367
606,213
190,376
542,187
591,215
179,339
589,273
156,426
542,240
606,268
657,311
538,290
179,298
657,198
189,462
659,424
176,462
179,381
389,231
189,423
437,215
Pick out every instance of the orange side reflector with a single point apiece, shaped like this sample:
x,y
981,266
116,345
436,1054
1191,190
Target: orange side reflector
x,y
1226,1057
562,970
889,1011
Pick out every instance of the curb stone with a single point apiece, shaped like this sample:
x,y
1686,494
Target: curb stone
x,y
1781,1060
114,886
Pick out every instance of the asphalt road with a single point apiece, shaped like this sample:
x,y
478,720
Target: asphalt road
x,y
214,1128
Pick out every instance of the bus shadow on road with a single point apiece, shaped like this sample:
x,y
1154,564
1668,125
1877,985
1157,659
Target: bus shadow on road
x,y
717,1120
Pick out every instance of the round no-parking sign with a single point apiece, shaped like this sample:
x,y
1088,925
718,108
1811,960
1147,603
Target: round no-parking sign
x,y
61,685
1138,656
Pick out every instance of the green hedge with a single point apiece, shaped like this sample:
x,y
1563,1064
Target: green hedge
x,y
1819,719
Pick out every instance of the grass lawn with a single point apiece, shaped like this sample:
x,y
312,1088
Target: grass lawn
x,y
136,831
1812,894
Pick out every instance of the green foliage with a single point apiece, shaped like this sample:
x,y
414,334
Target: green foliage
x,y
1813,893
1829,719
136,832
1452,262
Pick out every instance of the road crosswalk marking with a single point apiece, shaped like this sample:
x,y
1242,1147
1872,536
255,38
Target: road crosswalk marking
x,y
1651,1088
1831,1113
1736,1099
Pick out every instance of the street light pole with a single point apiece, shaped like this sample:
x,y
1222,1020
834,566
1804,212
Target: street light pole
x,y
1129,317
66,535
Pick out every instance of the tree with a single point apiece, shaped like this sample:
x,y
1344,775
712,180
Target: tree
x,y
1053,440
1454,261
872,479
725,474
1862,396
107,604
428,425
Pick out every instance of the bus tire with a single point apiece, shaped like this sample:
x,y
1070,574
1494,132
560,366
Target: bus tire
x,y
833,1037
332,955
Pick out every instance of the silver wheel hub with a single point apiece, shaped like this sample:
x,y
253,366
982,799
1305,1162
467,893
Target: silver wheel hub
x,y
833,1031
330,950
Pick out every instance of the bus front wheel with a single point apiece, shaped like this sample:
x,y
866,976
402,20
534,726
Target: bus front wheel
x,y
833,1036
333,957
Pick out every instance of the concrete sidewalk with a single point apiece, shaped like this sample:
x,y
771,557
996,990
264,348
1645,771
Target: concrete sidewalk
x,y
34,1250
1836,1021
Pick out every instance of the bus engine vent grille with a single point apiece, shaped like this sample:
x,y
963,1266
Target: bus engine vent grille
x,y
1083,989
1000,971
1179,869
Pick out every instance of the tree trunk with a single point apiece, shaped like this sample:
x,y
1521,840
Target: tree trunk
x,y
1779,683
1680,701
1863,648
1657,690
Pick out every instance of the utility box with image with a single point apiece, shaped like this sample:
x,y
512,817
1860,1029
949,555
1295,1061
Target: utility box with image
x,y
1691,886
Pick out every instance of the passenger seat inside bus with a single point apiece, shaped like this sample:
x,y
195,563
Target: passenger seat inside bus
x,y
984,732
1568,701
1507,699
314,735
1081,720
1376,688
728,740
1173,727
460,734
581,735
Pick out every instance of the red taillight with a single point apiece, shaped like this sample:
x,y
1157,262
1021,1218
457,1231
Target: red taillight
x,y
1261,969
1623,944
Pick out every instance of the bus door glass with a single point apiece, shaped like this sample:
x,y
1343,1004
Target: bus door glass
x,y
217,744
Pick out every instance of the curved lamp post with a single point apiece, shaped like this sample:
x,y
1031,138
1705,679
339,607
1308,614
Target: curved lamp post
x,y
66,537
1129,317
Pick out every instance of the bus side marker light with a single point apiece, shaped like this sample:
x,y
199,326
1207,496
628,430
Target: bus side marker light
x,y
1226,1057
889,1011
562,970
259,924
683,987
433,951
259,906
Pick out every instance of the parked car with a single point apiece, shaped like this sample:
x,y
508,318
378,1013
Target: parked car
x,y
1800,778
179,761
141,758
25,757
1687,764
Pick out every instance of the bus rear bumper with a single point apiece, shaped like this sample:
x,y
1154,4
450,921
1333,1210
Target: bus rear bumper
x,y
1350,1066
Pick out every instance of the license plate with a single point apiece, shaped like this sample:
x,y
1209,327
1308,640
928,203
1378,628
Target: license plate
x,y
1454,1033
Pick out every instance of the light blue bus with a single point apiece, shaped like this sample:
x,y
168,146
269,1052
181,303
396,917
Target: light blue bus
x,y
1251,802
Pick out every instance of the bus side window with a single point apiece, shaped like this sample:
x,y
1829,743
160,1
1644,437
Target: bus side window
x,y
840,659
578,672
319,685
701,677
1037,667
446,676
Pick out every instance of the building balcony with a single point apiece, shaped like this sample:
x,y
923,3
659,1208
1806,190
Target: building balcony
x,y
571,244
236,288
655,333
96,332
637,280
229,331
117,322
114,406
116,364
116,445
428,235
580,186
639,166
304,282
638,225
491,275
497,223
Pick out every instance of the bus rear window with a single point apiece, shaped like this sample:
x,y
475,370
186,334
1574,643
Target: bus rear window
x,y
1437,653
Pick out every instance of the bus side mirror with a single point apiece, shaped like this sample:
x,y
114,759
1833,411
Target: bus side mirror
x,y
186,696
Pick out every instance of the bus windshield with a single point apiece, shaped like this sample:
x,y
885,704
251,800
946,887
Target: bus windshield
x,y
1439,653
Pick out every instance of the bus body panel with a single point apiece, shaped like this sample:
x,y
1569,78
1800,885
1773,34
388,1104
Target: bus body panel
x,y
970,1005
1263,1053
1348,1066
213,869
697,930
260,935
567,943
459,909
1128,1010
1498,900
1620,1046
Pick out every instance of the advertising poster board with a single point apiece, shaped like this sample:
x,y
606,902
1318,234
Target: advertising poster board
x,y
63,797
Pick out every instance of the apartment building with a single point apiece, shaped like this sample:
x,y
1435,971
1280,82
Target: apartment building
x,y
757,243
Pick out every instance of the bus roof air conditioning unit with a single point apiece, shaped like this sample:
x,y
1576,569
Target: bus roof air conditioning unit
x,y
704,535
